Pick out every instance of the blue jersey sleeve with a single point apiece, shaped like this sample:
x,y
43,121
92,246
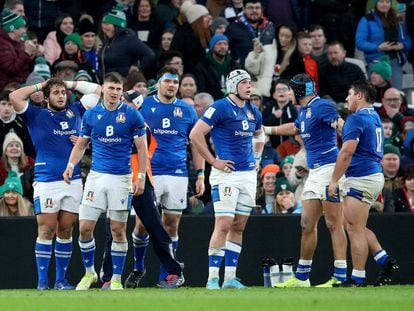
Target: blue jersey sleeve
x,y
213,115
86,129
327,112
30,113
138,124
353,128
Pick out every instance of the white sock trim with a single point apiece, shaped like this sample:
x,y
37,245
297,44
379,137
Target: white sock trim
x,y
64,241
358,273
340,264
234,247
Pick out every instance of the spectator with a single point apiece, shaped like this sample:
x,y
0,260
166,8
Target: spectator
x,y
12,203
285,201
288,61
174,59
201,102
279,109
11,122
250,24
256,98
135,80
266,191
188,86
381,76
66,70
121,47
87,29
260,63
72,51
391,132
146,23
193,37
381,33
54,43
42,68
211,73
409,186
310,64
395,199
219,25
16,6
337,75
166,40
16,57
37,98
14,159
319,47
394,108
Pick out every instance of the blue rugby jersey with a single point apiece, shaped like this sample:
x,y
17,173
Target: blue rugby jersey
x,y
232,131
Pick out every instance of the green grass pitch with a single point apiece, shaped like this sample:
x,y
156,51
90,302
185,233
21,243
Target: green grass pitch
x,y
389,298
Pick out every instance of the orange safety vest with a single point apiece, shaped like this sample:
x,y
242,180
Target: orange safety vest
x,y
152,145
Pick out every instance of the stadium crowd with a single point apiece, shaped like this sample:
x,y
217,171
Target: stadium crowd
x,y
336,43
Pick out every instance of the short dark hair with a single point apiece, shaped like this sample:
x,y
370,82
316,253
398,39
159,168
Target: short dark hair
x,y
366,88
168,69
250,1
276,82
314,27
51,83
113,77
336,42
303,35
166,57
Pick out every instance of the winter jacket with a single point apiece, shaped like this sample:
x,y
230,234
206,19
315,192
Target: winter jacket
x,y
370,34
123,51
261,65
15,64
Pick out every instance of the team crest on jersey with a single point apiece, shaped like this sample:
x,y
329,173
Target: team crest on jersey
x,y
120,118
308,113
99,116
70,114
153,109
250,115
90,196
178,112
227,191
49,203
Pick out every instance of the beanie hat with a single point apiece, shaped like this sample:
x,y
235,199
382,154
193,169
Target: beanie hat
x,y
83,73
383,68
287,159
42,68
12,183
85,25
392,149
10,21
9,138
116,17
217,22
34,78
75,38
216,38
270,168
194,12
282,183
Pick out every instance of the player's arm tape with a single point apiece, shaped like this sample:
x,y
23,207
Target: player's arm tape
x,y
84,87
270,130
260,137
71,165
141,175
200,174
90,100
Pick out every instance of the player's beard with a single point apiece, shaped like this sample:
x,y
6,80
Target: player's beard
x,y
56,107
